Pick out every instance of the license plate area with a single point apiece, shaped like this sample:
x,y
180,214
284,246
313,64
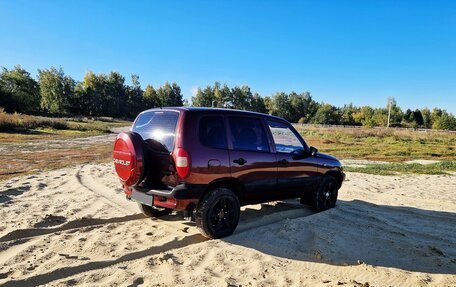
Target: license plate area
x,y
142,197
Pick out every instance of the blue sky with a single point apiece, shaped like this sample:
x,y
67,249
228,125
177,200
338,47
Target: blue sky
x,y
341,51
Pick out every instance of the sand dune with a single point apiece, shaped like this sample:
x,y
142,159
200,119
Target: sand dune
x,y
74,227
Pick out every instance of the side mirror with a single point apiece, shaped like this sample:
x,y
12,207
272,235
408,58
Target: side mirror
x,y
313,151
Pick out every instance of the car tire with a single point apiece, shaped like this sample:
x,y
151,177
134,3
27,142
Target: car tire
x,y
153,211
325,196
217,214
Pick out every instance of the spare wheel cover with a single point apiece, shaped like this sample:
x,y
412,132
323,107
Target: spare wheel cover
x,y
129,158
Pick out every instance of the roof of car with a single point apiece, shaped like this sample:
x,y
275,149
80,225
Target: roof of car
x,y
216,110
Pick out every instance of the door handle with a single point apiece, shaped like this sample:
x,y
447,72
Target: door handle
x,y
240,161
283,161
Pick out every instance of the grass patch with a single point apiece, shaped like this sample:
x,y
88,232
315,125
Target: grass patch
x,y
394,168
18,127
394,145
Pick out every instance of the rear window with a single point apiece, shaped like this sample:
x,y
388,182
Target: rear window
x,y
212,132
159,126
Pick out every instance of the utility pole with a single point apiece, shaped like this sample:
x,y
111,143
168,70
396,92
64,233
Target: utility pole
x,y
389,112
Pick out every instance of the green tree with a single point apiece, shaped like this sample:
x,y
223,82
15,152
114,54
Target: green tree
x,y
203,98
365,116
119,101
347,114
241,97
150,97
426,118
445,121
93,98
408,116
222,96
326,114
257,104
380,117
281,106
19,91
170,95
303,107
268,104
56,90
218,95
135,97
76,105
418,118
175,98
435,115
298,107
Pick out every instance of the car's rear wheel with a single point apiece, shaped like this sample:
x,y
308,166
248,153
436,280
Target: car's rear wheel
x,y
153,211
217,214
325,196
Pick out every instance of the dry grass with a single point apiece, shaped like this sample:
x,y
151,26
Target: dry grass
x,y
14,121
25,163
22,156
393,145
26,123
31,143
43,134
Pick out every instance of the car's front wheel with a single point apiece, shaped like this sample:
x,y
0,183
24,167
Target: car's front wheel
x,y
325,196
217,214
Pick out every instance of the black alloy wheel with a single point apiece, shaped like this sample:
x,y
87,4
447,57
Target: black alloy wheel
x,y
326,195
217,215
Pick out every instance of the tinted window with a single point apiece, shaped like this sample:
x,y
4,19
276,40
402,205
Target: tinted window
x,y
159,126
212,132
284,138
248,134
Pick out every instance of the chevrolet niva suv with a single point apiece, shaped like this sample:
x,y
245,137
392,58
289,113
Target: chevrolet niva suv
x,y
208,162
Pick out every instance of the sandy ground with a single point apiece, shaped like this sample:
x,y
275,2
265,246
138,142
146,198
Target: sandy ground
x,y
74,227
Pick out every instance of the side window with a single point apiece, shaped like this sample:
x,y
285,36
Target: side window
x,y
212,132
248,134
284,138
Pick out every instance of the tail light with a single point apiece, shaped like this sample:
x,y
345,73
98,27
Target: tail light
x,y
182,160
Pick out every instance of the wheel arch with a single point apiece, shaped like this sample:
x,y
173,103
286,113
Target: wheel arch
x,y
235,185
337,175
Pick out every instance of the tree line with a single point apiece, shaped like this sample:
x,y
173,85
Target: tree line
x,y
302,108
55,93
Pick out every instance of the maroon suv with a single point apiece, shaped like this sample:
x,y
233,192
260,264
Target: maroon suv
x,y
208,162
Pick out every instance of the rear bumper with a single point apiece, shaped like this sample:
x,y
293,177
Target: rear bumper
x,y
181,191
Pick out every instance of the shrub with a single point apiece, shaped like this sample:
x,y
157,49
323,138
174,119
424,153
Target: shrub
x,y
9,122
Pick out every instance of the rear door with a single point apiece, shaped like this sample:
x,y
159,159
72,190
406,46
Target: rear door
x,y
297,169
251,160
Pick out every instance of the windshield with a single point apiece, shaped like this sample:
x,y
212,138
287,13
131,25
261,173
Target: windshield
x,y
157,125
